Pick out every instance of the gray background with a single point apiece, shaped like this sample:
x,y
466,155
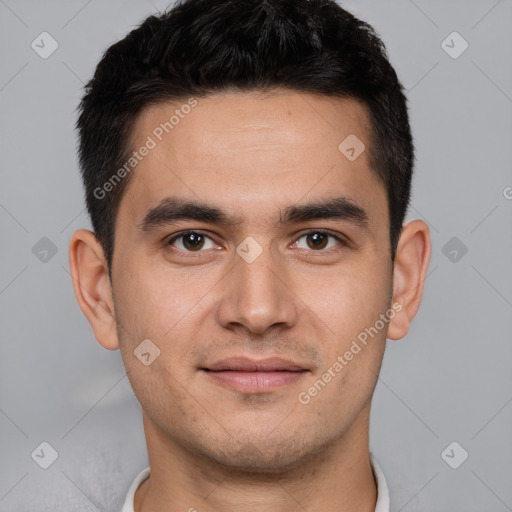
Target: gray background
x,y
448,380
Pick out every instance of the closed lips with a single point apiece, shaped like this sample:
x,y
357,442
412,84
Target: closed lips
x,y
241,364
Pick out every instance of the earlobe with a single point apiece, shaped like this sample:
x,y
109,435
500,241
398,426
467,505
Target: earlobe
x,y
409,273
91,285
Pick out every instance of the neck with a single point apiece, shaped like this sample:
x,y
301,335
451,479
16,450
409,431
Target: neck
x,y
338,478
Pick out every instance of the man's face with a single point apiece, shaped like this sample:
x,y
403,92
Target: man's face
x,y
292,291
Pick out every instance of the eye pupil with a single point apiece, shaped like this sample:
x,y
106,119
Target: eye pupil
x,y
193,240
319,240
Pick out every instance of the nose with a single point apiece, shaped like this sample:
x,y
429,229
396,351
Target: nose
x,y
257,295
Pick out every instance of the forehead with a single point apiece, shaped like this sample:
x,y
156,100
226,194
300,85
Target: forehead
x,y
238,121
249,151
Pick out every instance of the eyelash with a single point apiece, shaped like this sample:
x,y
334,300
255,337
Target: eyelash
x,y
311,232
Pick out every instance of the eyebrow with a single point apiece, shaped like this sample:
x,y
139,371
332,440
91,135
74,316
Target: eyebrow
x,y
172,209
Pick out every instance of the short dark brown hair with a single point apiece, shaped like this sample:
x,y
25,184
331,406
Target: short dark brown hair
x,y
199,47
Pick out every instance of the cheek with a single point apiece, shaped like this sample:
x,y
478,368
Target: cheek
x,y
148,303
350,300
166,310
350,306
161,311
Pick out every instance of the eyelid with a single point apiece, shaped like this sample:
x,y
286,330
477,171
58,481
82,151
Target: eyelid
x,y
342,241
181,234
338,237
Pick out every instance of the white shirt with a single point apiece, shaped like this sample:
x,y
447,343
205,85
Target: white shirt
x,y
382,488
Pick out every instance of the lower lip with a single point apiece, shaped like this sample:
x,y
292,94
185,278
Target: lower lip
x,y
255,382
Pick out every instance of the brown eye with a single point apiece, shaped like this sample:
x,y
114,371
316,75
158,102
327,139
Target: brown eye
x,y
319,240
190,241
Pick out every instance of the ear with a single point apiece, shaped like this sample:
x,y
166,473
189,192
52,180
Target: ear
x,y
89,272
409,273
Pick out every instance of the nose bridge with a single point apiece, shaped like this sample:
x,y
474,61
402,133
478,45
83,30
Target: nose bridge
x,y
257,294
258,281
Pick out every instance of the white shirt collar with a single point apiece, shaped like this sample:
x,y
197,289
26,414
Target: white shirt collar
x,y
382,488
382,504
128,504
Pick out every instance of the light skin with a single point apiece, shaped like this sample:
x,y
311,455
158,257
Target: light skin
x,y
253,155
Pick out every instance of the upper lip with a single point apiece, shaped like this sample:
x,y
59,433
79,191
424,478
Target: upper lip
x,y
245,364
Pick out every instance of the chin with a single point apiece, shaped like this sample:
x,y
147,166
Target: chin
x,y
259,455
